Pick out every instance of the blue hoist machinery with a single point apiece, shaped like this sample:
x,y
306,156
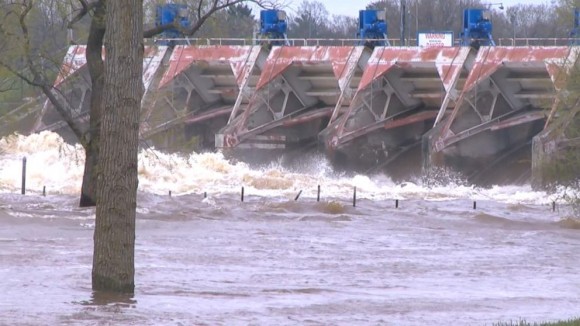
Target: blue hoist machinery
x,y
372,30
477,28
168,14
273,27
575,33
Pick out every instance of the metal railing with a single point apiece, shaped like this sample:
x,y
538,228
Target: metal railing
x,y
525,41
534,41
291,41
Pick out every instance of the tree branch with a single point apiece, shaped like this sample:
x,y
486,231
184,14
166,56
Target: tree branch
x,y
157,30
37,78
10,86
19,74
26,45
199,9
202,18
87,7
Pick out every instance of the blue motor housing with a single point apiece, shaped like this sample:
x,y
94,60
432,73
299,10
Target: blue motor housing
x,y
273,26
372,27
477,28
167,14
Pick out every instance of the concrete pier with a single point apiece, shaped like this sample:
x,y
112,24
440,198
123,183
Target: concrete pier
x,y
504,103
403,91
200,88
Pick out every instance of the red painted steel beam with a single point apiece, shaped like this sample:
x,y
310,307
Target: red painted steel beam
x,y
490,59
446,61
421,116
184,56
207,115
383,124
281,58
521,119
287,121
75,60
385,58
309,116
494,124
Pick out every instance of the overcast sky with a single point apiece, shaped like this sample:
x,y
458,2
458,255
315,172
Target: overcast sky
x,y
351,7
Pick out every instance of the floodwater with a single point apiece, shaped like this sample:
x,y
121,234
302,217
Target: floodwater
x,y
274,260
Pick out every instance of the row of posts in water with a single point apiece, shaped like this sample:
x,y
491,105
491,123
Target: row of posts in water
x,y
353,198
242,191
300,192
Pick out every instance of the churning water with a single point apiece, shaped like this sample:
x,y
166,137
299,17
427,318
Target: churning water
x,y
274,260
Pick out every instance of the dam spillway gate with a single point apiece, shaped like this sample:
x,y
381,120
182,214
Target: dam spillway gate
x,y
397,110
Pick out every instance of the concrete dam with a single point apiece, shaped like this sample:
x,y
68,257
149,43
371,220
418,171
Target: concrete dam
x,y
397,110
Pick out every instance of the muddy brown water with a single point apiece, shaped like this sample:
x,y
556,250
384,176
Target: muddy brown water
x,y
272,260
220,262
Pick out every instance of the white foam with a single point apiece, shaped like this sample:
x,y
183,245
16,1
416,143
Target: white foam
x,y
50,162
59,166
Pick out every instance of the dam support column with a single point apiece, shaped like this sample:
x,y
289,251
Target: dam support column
x,y
299,91
403,91
505,103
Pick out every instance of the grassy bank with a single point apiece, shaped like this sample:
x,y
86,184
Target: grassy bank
x,y
571,322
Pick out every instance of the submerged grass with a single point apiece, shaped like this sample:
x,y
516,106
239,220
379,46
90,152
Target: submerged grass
x,y
570,322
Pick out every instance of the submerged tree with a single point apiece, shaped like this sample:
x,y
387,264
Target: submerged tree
x,y
114,252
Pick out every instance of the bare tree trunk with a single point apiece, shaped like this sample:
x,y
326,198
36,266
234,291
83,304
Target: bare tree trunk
x,y
114,239
97,73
